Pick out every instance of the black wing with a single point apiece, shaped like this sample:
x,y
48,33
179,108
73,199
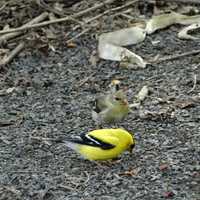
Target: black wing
x,y
92,141
100,103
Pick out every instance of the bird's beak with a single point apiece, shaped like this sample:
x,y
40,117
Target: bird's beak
x,y
125,102
131,148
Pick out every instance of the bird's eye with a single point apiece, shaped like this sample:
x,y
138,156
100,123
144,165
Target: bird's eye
x,y
117,87
117,99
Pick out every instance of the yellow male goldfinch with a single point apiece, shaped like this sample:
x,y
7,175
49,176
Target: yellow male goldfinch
x,y
103,144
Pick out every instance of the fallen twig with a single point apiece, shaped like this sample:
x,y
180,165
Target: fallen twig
x,y
4,123
13,53
104,13
184,1
6,37
93,8
2,7
78,35
82,82
168,58
45,6
26,27
30,26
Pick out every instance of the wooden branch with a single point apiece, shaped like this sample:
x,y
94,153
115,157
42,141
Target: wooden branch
x,y
13,53
93,8
68,18
102,14
2,7
183,1
9,36
168,58
78,35
45,6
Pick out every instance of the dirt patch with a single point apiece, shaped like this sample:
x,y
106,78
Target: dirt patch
x,y
52,98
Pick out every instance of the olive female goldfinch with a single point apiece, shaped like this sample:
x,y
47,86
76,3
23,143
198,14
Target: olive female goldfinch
x,y
102,144
111,107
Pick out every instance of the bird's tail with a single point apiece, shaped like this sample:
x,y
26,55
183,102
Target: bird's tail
x,y
72,145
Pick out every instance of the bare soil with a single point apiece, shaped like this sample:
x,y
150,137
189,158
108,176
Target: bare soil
x,y
52,99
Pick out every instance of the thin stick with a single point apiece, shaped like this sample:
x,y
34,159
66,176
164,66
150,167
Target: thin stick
x,y
82,82
184,1
176,56
126,16
93,8
13,53
6,37
45,6
106,12
102,14
30,26
78,35
2,7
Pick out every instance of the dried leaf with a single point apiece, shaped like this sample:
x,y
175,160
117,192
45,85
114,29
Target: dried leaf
x,y
165,20
112,52
110,46
183,34
124,37
160,22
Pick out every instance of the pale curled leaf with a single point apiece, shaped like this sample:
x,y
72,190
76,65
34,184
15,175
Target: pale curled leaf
x,y
124,37
187,20
117,53
183,34
110,45
160,22
165,20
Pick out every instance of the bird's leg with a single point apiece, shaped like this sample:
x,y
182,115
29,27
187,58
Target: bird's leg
x,y
115,160
109,163
98,125
102,164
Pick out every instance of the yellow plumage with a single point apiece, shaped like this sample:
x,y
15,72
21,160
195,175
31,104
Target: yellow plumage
x,y
103,144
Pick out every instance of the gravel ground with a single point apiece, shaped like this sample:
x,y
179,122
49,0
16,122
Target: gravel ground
x,y
52,98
